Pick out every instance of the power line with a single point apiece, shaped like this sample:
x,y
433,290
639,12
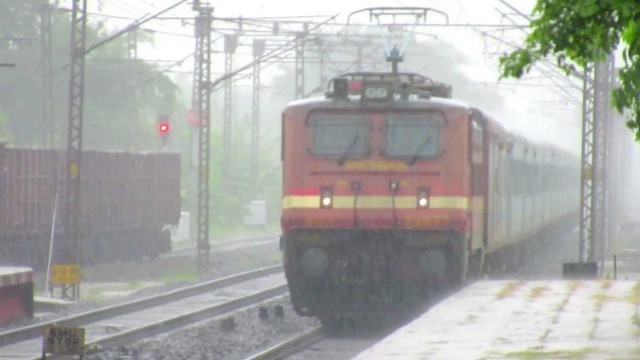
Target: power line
x,y
136,24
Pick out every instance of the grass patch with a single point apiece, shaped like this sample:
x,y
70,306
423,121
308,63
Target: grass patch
x,y
544,336
190,275
635,320
508,289
535,354
634,294
573,286
95,294
601,298
594,328
219,233
537,291
561,306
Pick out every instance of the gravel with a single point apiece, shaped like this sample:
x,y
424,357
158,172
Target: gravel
x,y
207,340
204,340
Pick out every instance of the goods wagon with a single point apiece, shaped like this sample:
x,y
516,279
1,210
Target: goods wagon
x,y
127,201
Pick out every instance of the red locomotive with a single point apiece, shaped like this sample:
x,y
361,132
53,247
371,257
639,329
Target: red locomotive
x,y
391,188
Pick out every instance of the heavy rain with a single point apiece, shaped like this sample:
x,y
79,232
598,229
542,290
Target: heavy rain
x,y
365,179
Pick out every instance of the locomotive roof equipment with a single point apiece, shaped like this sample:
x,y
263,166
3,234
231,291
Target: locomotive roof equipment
x,y
381,87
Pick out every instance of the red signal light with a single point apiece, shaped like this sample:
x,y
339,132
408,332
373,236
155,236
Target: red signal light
x,y
163,128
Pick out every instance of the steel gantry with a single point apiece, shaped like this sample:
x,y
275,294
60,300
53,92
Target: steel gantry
x,y
74,137
202,102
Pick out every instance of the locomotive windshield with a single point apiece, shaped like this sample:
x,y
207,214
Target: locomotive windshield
x,y
413,135
341,136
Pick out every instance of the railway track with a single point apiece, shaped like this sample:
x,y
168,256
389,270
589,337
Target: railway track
x,y
132,321
291,346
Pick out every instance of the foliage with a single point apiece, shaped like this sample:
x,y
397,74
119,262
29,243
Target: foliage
x,y
122,100
230,193
578,32
120,106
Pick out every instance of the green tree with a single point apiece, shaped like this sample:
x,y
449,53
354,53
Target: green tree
x,y
578,32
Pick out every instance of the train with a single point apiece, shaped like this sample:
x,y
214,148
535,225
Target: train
x,y
128,201
392,188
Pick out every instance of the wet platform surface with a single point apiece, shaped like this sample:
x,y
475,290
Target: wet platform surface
x,y
554,319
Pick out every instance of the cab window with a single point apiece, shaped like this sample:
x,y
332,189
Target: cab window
x,y
413,135
339,136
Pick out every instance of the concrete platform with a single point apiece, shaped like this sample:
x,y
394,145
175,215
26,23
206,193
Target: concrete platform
x,y
48,304
14,275
595,319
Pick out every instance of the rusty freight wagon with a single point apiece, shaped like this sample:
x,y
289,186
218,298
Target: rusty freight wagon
x,y
127,200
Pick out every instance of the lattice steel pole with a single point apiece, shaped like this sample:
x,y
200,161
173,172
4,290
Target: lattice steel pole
x,y
46,45
593,198
258,50
195,133
203,65
74,136
230,45
300,38
322,54
586,180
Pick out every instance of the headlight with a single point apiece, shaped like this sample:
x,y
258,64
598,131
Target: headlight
x,y
326,197
394,185
423,197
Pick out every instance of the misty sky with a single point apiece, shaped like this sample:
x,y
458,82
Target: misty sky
x,y
543,113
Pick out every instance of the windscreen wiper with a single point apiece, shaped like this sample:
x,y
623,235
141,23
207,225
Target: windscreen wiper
x,y
414,157
348,150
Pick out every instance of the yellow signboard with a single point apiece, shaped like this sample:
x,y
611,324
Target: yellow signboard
x,y
65,274
73,169
63,340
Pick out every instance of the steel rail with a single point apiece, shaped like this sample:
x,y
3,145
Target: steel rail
x,y
176,322
291,346
36,330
